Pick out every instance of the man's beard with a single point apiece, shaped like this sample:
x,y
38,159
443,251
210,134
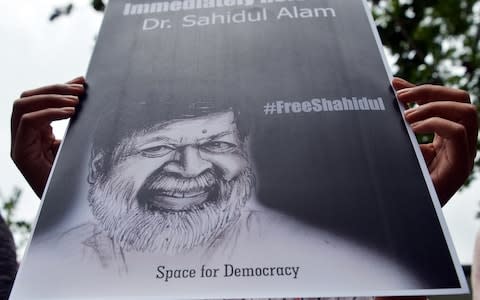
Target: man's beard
x,y
134,223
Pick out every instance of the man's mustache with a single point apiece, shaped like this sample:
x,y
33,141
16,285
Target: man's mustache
x,y
171,182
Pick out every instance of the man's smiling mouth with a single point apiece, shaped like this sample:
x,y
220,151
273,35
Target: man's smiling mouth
x,y
170,192
176,200
176,194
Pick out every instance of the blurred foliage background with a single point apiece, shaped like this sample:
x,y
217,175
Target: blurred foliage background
x,y
19,227
434,42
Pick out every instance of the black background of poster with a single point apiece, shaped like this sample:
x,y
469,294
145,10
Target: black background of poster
x,y
351,173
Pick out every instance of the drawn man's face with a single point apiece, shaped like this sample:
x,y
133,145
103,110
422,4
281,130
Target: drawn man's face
x,y
174,186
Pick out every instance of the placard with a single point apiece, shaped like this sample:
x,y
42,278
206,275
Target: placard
x,y
238,149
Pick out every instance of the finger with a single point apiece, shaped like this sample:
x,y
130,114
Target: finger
x,y
428,153
61,89
443,127
34,121
55,146
453,111
455,133
451,163
36,103
78,80
400,84
48,147
462,113
39,118
428,93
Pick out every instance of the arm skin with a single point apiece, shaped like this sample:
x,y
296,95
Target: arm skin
x,y
448,114
33,145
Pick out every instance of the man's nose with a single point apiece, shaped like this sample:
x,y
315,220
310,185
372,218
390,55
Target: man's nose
x,y
188,162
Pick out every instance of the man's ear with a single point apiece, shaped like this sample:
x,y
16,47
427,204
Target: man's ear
x,y
96,165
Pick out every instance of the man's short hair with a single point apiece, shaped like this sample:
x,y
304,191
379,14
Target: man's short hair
x,y
125,119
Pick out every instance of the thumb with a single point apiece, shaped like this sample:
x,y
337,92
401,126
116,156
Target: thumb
x,y
400,84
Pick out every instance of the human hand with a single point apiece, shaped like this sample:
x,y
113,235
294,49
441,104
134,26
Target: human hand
x,y
448,114
33,145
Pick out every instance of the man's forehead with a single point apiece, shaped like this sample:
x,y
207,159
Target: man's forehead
x,y
198,127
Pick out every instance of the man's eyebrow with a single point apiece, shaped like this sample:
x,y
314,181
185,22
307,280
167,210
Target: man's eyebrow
x,y
216,136
160,139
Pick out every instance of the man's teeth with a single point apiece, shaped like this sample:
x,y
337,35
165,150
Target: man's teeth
x,y
176,194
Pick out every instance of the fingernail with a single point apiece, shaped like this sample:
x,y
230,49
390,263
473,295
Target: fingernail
x,y
77,86
72,98
69,109
403,91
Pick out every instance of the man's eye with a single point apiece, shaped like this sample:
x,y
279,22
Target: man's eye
x,y
156,151
218,147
